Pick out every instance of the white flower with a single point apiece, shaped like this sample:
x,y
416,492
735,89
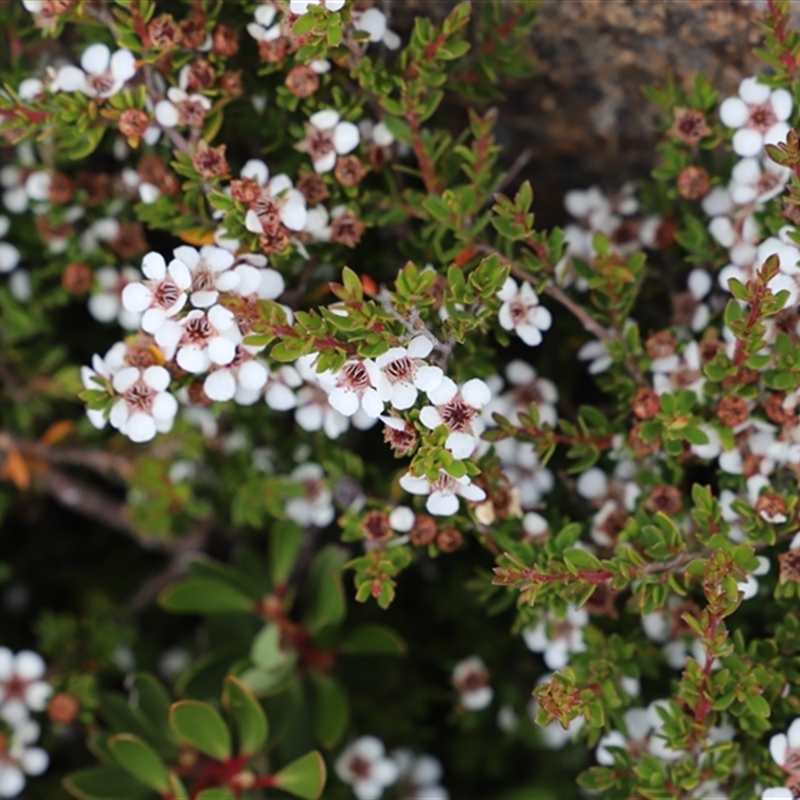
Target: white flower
x,y
443,492
785,748
278,201
643,728
756,180
355,386
9,255
315,506
103,74
699,283
21,686
557,638
471,678
161,296
265,29
749,586
419,776
597,354
201,338
20,759
144,407
265,284
281,385
313,410
403,372
778,793
759,116
373,21
106,305
459,411
210,268
300,7
363,764
180,107
241,381
522,313
592,484
327,136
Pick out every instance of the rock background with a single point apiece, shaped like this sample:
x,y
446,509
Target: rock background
x,y
584,115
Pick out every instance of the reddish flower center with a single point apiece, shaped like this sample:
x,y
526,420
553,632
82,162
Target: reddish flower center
x,y
267,210
102,84
354,375
320,144
457,415
762,117
197,330
15,688
166,294
139,397
401,370
360,767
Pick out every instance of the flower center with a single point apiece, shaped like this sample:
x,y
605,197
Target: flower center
x,y
267,210
320,144
102,84
139,397
166,294
762,117
401,370
360,767
15,688
191,112
203,279
444,484
198,330
518,311
457,415
355,376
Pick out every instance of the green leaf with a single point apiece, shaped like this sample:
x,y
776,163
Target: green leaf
x,y
210,568
304,777
216,793
285,540
331,710
151,698
140,760
695,436
105,783
204,596
201,726
757,705
373,640
327,605
251,720
266,651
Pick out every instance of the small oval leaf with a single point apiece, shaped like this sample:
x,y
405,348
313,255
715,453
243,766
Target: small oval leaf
x,y
201,726
140,760
304,777
251,720
204,596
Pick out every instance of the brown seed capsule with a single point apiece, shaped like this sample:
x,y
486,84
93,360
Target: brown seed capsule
x,y
275,240
349,170
201,75
347,229
164,32
231,83
661,345
193,32
302,81
133,122
97,186
272,52
63,708
77,278
245,190
646,403
61,190
197,394
225,41
130,241
376,527
313,188
790,566
377,157
210,161
402,440
152,169
424,530
448,540
690,125
771,508
666,499
640,447
693,182
665,234
776,412
732,411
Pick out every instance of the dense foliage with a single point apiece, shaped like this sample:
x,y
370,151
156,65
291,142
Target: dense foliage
x,y
326,473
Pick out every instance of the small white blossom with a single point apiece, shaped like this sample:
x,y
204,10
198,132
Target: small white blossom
x,y
210,268
596,353
458,410
471,678
22,688
419,776
300,7
19,758
443,493
162,295
403,372
522,313
106,305
9,255
144,406
363,764
759,115
102,74
200,339
557,638
354,387
785,748
265,29
328,136
315,505
278,202
373,21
